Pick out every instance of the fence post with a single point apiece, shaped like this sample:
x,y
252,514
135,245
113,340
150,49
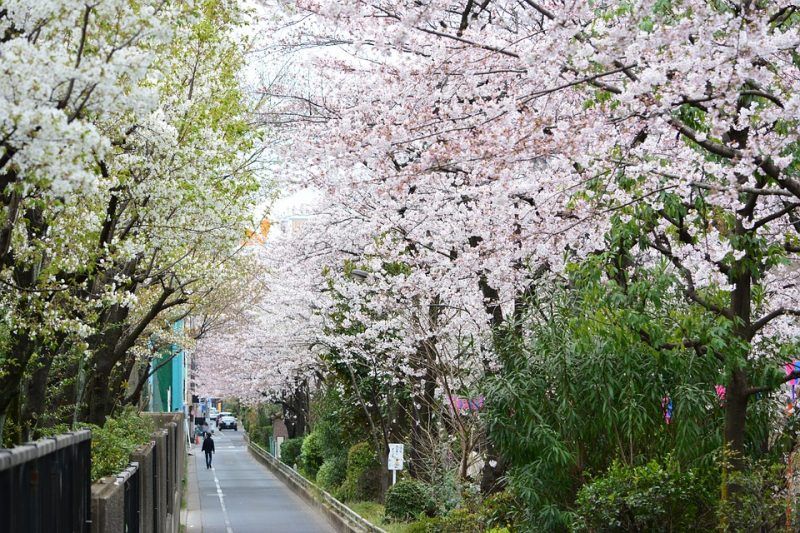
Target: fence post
x,y
144,455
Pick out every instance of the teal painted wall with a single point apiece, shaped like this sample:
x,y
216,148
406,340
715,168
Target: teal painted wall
x,y
167,382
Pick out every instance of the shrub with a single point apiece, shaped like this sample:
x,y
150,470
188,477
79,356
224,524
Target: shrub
x,y
332,473
425,525
447,491
262,430
760,503
113,443
457,521
462,521
311,455
362,481
336,423
290,450
407,499
644,498
501,510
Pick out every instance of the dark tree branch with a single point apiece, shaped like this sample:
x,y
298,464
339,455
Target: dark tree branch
x,y
776,215
690,290
766,319
768,388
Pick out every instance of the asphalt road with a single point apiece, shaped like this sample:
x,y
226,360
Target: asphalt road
x,y
240,495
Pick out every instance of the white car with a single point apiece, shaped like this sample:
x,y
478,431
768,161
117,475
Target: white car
x,y
227,421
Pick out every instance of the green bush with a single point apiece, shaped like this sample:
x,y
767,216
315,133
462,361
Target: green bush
x,y
447,490
456,521
462,521
761,502
645,498
290,450
407,499
262,427
362,481
336,423
311,455
113,443
426,525
501,510
332,473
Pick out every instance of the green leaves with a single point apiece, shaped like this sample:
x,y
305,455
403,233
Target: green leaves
x,y
652,497
592,382
113,443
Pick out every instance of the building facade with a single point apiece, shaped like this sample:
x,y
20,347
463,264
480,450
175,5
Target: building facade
x,y
168,382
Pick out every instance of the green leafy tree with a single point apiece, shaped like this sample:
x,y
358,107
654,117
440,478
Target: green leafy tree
x,y
600,372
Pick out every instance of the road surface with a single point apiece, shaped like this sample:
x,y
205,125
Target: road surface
x,y
240,495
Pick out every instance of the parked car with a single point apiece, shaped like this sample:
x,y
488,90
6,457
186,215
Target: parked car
x,y
227,421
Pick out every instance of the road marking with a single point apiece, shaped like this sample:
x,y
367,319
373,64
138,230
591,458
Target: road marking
x,y
221,496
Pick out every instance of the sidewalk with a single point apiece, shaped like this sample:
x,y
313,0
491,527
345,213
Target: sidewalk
x,y
191,515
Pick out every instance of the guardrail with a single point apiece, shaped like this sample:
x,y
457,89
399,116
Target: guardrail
x,y
45,485
352,520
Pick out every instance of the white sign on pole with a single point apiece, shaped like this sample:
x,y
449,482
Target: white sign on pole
x,y
395,457
395,460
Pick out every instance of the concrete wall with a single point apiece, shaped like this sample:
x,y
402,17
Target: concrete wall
x,y
171,440
161,476
108,501
144,455
161,466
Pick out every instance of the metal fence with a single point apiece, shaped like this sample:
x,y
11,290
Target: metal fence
x,y
45,486
154,481
129,478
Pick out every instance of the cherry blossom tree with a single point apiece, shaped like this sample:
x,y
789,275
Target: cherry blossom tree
x,y
126,185
482,143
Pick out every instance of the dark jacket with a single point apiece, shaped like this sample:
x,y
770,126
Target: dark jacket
x,y
208,445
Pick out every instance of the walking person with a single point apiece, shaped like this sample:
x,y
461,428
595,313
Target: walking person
x,y
208,447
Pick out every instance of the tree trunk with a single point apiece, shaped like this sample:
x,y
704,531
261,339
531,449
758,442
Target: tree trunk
x,y
99,396
36,396
736,415
294,412
13,371
421,426
736,392
384,457
492,476
22,343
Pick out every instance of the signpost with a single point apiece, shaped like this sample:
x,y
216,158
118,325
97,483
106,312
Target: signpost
x,y
395,460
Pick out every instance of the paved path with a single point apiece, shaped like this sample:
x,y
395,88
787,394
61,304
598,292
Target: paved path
x,y
240,495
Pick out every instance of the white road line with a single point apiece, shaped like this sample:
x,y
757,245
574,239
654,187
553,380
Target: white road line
x,y
221,497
